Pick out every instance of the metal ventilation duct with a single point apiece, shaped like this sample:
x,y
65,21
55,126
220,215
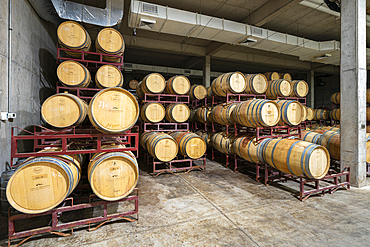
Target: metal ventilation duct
x,y
50,10
183,23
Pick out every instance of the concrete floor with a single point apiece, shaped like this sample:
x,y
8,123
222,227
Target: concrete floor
x,y
219,207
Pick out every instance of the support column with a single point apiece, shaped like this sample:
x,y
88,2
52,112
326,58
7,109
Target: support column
x,y
353,90
207,71
311,84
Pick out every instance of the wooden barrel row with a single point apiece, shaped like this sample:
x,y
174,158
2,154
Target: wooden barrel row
x,y
112,110
276,76
320,114
335,98
42,183
155,113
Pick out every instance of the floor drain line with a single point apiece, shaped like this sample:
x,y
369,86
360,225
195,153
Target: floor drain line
x,y
208,200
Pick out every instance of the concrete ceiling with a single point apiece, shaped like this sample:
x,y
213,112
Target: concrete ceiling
x,y
287,16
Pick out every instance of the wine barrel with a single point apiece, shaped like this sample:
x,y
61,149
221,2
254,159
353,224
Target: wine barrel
x,y
221,114
161,146
256,84
110,41
190,144
272,76
335,114
144,137
368,129
133,84
197,92
222,142
320,114
108,76
73,36
139,92
203,114
152,112
304,113
335,98
367,114
245,146
310,136
291,112
310,114
178,84
153,83
209,92
42,183
177,113
113,175
4,179
206,136
300,89
297,157
258,112
285,76
331,128
323,140
278,88
73,74
63,110
113,110
233,82
367,95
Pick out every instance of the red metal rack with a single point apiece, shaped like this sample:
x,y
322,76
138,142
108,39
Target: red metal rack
x,y
175,165
65,138
234,98
300,100
91,60
196,103
166,98
56,213
165,127
83,93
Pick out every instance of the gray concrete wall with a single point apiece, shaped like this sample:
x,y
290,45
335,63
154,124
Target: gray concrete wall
x,y
33,69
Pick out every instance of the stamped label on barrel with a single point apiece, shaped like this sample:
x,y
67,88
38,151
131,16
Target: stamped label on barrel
x,y
39,176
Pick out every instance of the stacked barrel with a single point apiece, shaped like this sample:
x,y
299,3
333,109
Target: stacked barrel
x,y
42,183
263,101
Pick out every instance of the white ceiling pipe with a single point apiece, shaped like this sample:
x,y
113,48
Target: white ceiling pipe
x,y
321,6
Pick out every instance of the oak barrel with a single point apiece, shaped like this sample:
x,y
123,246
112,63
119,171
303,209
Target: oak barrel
x,y
197,92
297,157
304,113
222,142
209,92
161,146
177,113
152,112
139,92
206,136
245,146
335,114
278,88
190,144
42,183
335,98
63,110
113,110
73,36
285,76
153,83
300,89
108,76
367,114
221,114
272,76
203,114
258,112
367,95
73,74
256,84
113,175
320,114
233,82
110,41
178,84
291,112
310,136
310,113
133,84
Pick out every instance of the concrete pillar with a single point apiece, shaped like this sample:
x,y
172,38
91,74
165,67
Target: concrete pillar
x,y
207,71
311,83
353,89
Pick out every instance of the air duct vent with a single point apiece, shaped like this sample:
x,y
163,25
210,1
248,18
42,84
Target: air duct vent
x,y
147,24
247,41
257,31
150,8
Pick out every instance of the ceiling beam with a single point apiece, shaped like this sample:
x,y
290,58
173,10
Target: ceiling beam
x,y
191,62
269,11
214,47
